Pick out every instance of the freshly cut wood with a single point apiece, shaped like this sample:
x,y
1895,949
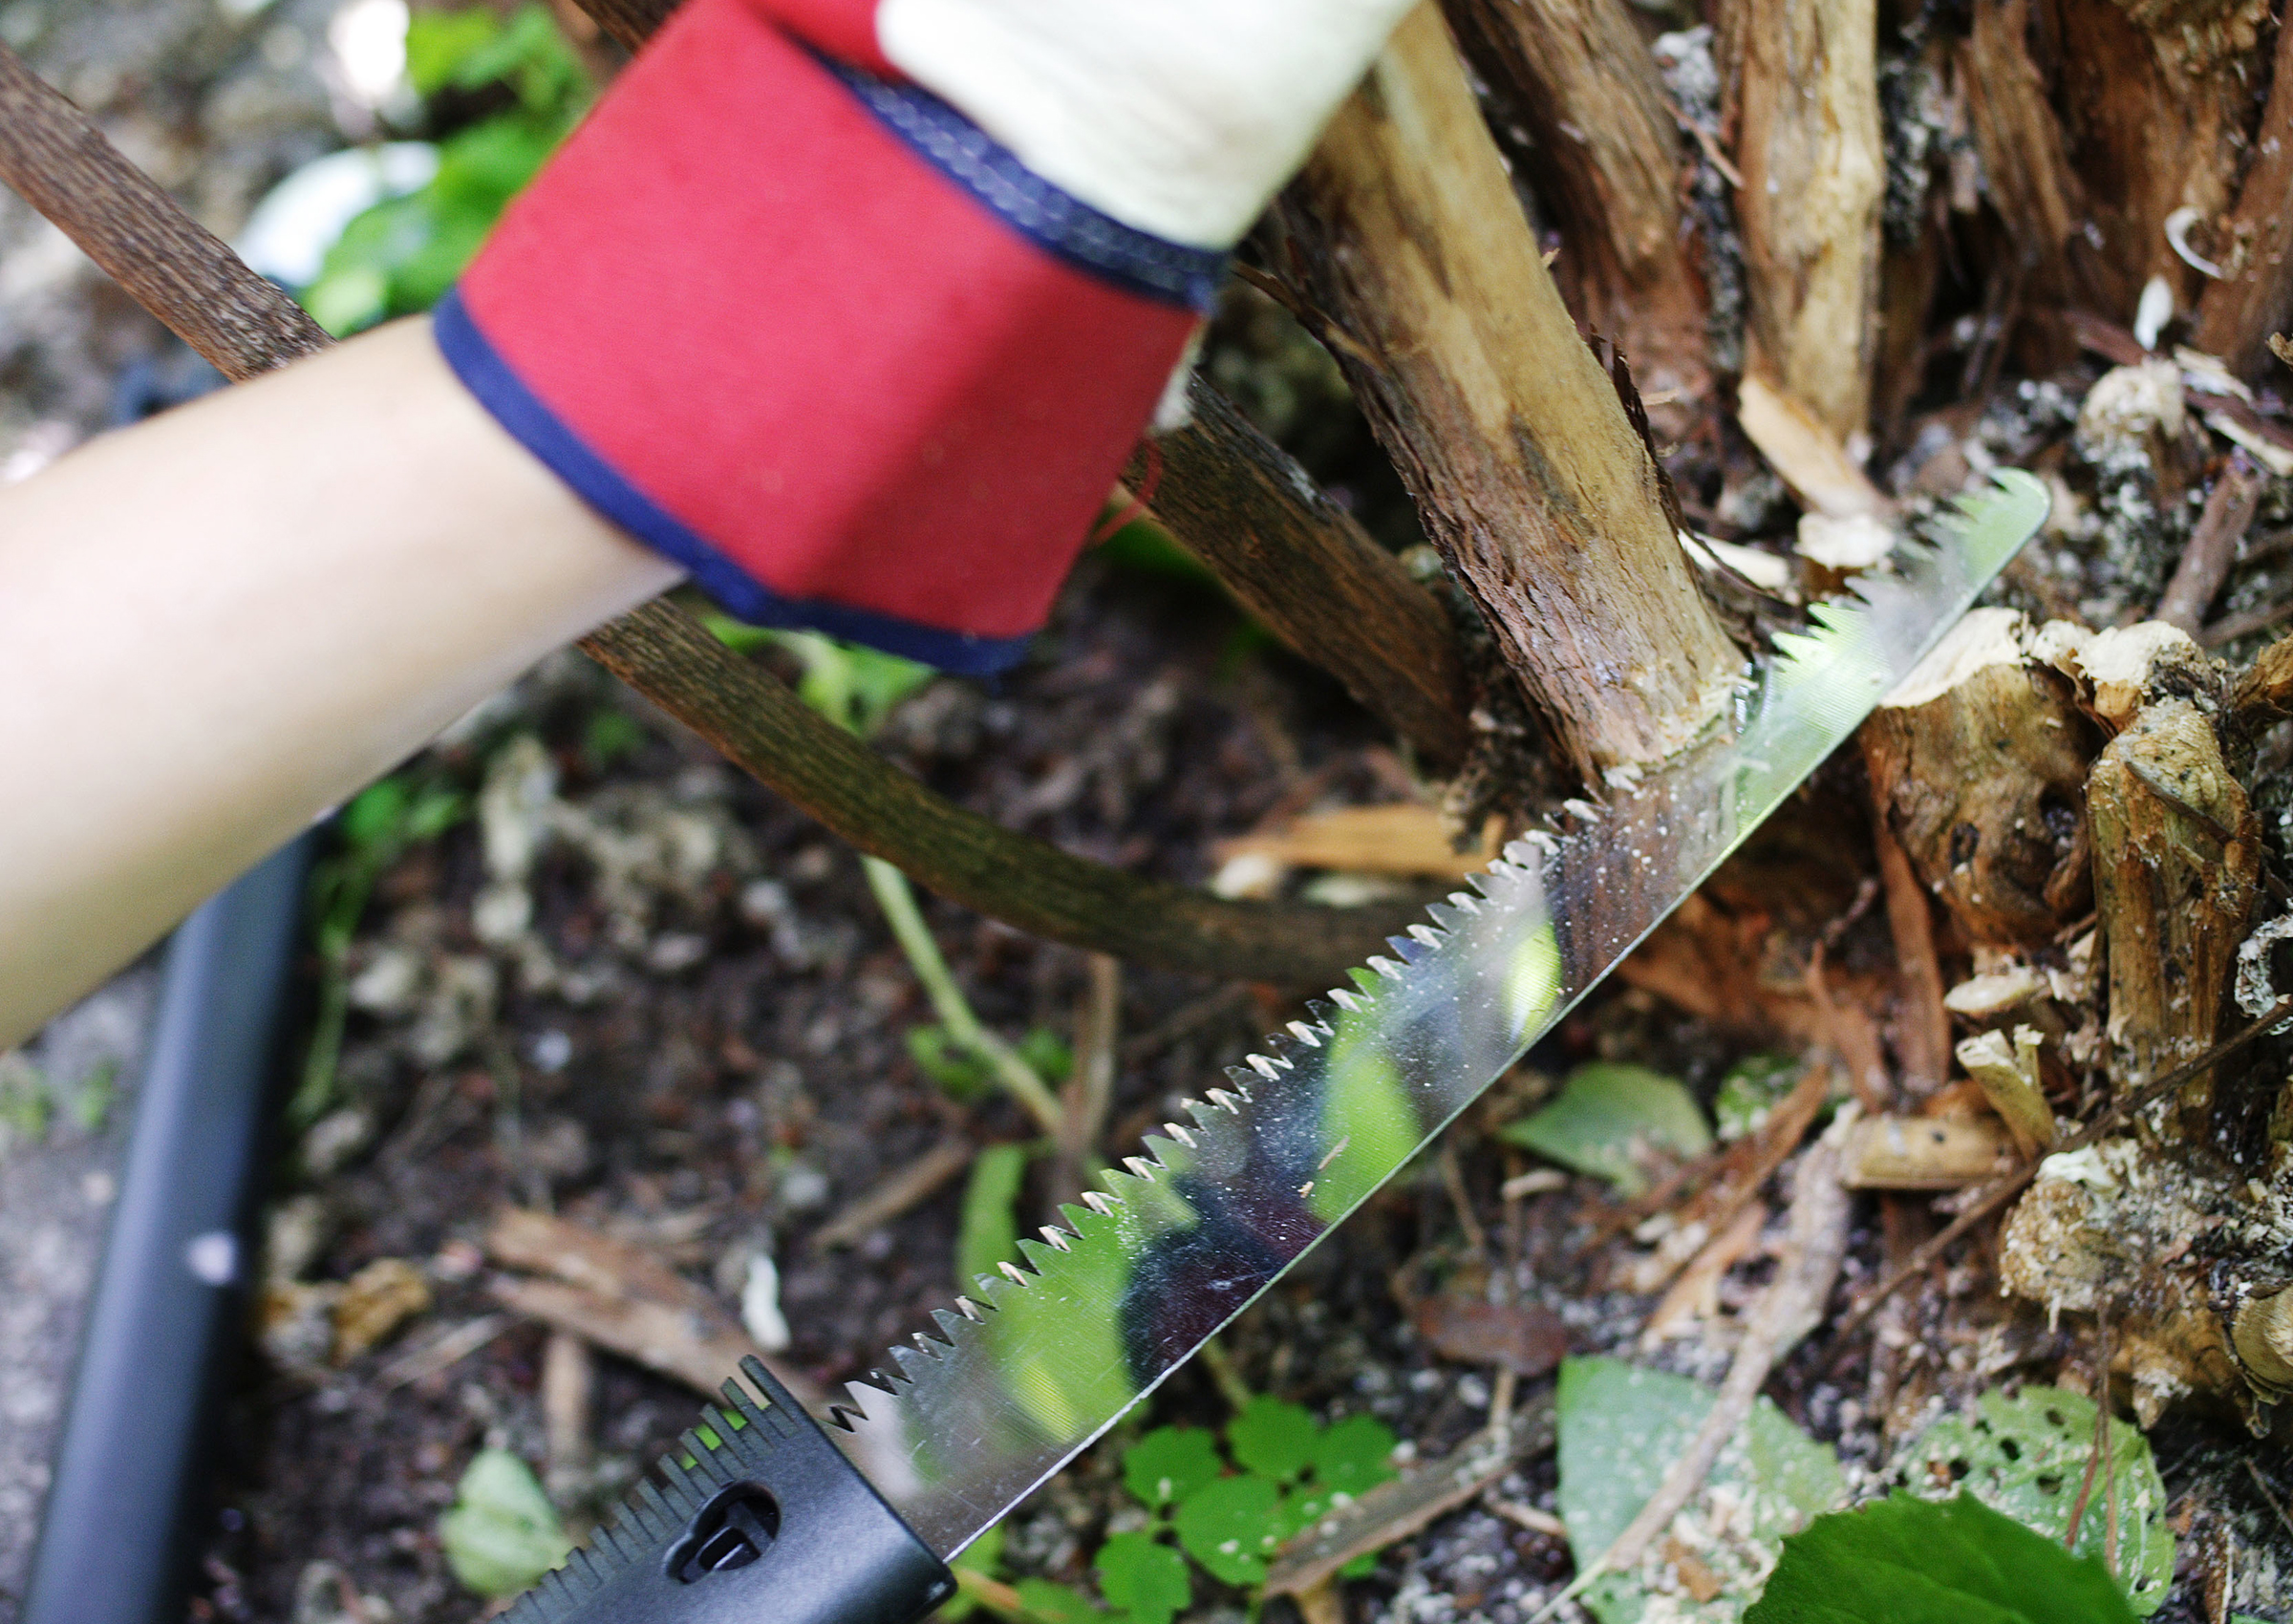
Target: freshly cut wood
x,y
1978,763
1406,838
2177,855
1306,569
2007,1070
1807,454
1924,1152
1814,171
1405,234
1603,156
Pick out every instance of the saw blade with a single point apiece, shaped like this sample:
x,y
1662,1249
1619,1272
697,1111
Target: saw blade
x,y
1186,1235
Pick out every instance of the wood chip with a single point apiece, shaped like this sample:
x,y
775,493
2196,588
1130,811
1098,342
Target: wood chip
x,y
375,1302
1925,1152
1397,1509
1805,455
1403,838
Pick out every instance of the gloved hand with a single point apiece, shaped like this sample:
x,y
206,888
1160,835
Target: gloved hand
x,y
855,310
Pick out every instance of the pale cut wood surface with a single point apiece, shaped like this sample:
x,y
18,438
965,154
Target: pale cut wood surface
x,y
1814,171
1605,159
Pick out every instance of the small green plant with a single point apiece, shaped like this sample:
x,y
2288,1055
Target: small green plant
x,y
1228,1512
401,255
374,831
90,1102
856,688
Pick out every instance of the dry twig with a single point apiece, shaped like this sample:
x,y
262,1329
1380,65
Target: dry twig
x,y
904,1188
2213,545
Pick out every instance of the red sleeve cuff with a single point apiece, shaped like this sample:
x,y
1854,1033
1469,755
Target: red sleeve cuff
x,y
754,327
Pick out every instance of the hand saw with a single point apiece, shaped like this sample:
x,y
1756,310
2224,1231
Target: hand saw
x,y
767,1515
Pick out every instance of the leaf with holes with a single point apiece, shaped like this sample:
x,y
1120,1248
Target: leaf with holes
x,y
2026,1454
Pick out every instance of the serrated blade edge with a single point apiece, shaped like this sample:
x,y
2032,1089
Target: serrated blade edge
x,y
1188,1234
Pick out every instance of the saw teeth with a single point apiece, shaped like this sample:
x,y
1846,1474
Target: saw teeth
x,y
1227,1142
1058,1237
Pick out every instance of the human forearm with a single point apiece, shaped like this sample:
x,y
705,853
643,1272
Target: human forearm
x,y
219,623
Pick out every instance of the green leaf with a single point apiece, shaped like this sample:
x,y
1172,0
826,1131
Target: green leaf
x,y
1361,1567
1141,1577
1048,1603
375,815
438,42
1620,1430
501,1534
989,1234
952,1067
1169,1463
1272,1437
1353,1455
2026,1456
1231,1527
1909,1561
1611,1119
25,1107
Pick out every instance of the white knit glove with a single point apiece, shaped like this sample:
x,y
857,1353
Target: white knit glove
x,y
1181,117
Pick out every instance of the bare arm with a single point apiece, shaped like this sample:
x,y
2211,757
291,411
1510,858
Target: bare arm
x,y
219,623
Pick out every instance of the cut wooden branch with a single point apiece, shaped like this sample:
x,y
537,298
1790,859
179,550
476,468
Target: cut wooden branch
x,y
2213,544
1303,565
1978,763
1935,1153
1814,170
1603,156
1403,233
2177,855
184,277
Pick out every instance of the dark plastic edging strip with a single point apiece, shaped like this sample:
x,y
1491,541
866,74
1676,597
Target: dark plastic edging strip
x,y
120,1529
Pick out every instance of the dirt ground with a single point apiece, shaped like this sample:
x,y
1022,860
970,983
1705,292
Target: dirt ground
x,y
692,1038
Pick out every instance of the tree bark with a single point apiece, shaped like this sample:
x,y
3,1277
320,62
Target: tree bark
x,y
1300,563
2025,153
2235,317
1404,230
1604,158
1814,171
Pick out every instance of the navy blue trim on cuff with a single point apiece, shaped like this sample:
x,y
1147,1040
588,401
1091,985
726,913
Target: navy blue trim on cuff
x,y
484,374
1064,227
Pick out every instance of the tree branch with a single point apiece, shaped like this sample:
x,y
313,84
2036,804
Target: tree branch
x,y
1301,563
1530,477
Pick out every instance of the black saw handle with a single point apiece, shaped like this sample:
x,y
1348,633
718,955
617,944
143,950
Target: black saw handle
x,y
759,1520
